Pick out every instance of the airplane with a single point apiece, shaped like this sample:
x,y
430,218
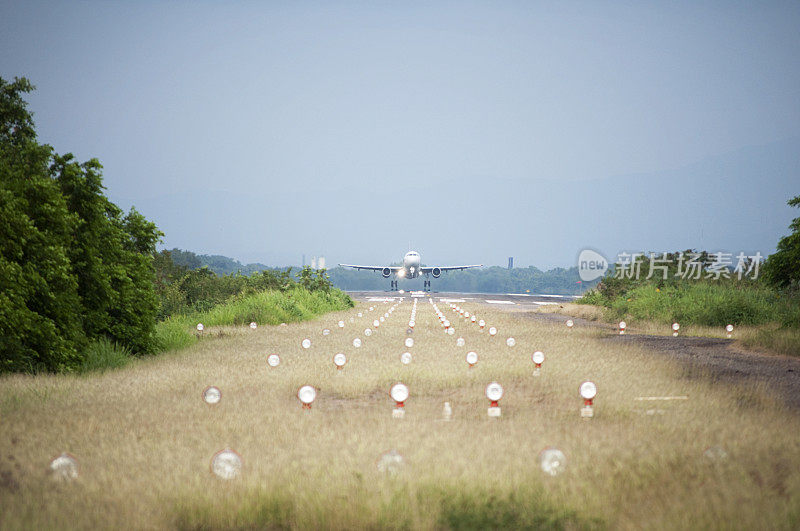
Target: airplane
x,y
411,268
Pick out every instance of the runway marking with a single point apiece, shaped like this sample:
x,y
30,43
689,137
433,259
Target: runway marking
x,y
499,302
545,303
542,295
661,398
452,300
380,299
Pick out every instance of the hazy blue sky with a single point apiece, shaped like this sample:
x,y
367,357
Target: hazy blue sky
x,y
472,131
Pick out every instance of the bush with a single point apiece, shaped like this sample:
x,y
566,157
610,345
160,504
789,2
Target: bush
x,y
102,355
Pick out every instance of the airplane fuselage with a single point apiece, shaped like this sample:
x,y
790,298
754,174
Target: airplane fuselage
x,y
411,263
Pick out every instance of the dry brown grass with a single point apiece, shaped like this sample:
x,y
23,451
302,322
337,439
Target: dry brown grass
x,y
144,436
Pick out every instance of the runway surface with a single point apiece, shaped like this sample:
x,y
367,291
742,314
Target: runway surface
x,y
516,301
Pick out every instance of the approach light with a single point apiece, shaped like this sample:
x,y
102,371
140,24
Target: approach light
x,y
253,325
306,395
451,331
588,391
493,331
409,342
212,395
409,331
460,342
200,327
472,358
376,323
273,360
473,319
360,314
511,341
466,315
675,328
446,324
390,463
357,342
552,461
405,358
371,308
341,324
494,392
537,358
339,360
399,393
412,324
570,324
306,343
622,326
367,332
729,329
226,464
481,323
326,332
382,319
64,467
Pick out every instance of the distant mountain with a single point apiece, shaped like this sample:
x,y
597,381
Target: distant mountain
x,y
221,265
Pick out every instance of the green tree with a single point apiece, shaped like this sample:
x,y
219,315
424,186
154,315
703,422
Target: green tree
x,y
782,269
40,328
73,268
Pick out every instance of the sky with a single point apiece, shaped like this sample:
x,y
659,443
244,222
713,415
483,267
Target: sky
x,y
469,131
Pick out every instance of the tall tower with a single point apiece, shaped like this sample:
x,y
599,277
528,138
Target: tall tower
x,y
511,262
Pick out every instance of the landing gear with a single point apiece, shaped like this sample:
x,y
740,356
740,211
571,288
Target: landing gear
x,y
394,286
427,285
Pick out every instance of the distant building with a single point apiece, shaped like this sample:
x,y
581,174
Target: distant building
x,y
321,263
511,262
313,262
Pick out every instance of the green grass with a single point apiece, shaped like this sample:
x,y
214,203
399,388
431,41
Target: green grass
x,y
774,316
104,354
456,506
269,307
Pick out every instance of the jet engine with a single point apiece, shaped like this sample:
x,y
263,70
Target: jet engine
x,y
386,272
436,272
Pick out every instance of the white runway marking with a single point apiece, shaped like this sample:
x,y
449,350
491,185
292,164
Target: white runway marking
x,y
545,303
452,300
380,299
499,302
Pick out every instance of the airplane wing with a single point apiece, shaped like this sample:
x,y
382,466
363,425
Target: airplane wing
x,y
394,269
426,270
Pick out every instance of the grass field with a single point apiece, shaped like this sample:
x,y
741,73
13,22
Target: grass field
x,y
145,438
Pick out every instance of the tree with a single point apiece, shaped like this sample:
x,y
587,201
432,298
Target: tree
x,y
73,268
782,269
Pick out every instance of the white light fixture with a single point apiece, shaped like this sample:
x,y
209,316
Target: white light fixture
x,y
326,332
460,342
588,391
64,467
273,360
622,326
552,461
212,395
341,324
494,392
472,358
226,464
367,332
306,343
306,394
200,327
493,331
511,341
409,342
253,325
570,323
405,358
339,360
357,342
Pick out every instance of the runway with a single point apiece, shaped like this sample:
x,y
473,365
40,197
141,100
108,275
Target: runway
x,y
515,301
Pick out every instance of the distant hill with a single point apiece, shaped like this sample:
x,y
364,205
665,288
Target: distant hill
x,y
558,281
221,265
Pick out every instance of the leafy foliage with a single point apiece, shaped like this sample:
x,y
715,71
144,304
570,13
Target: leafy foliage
x,y
73,268
782,269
